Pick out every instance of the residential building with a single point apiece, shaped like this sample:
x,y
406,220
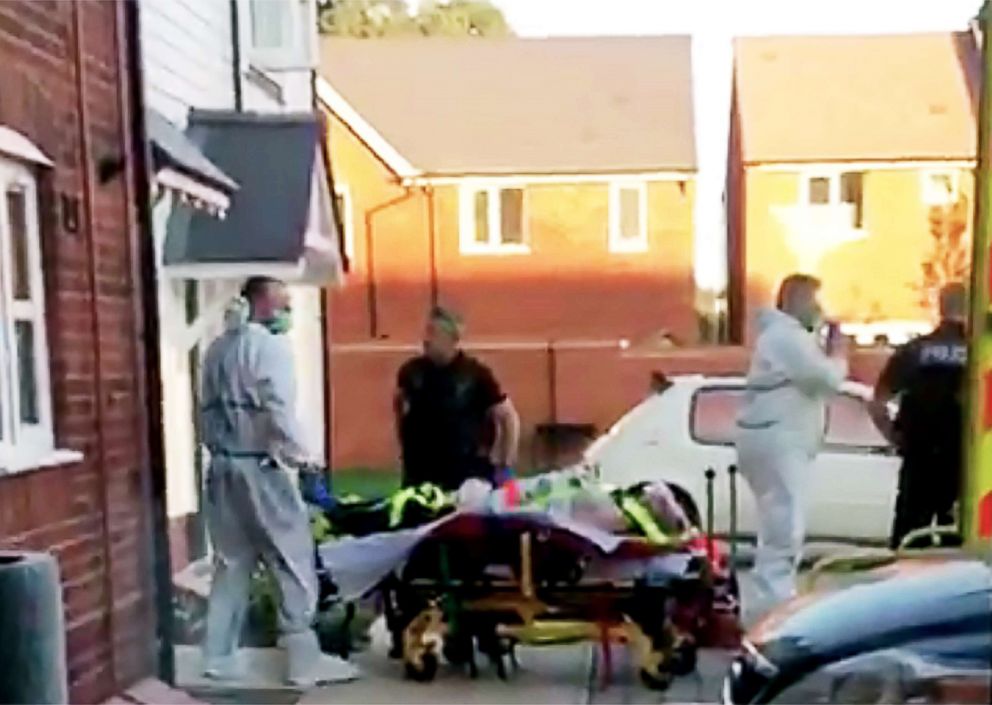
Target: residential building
x,y
75,463
851,158
241,190
543,188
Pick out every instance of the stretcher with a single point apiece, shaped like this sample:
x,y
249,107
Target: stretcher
x,y
483,580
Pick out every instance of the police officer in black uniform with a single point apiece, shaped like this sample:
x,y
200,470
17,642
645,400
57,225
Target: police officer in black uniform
x,y
927,379
453,419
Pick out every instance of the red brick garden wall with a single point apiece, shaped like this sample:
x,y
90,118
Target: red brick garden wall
x,y
579,385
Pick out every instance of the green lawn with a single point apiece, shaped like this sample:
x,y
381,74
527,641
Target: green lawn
x,y
365,482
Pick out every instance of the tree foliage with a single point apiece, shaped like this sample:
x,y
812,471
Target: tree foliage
x,y
372,19
949,259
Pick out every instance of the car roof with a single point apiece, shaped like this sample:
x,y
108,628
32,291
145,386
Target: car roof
x,y
699,381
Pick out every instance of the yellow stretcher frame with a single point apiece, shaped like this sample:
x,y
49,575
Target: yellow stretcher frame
x,y
976,500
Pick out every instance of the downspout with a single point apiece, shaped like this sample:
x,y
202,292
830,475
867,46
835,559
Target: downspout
x,y
373,302
145,303
100,460
236,55
432,237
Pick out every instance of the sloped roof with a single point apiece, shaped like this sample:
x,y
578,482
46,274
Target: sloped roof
x,y
523,106
852,98
277,160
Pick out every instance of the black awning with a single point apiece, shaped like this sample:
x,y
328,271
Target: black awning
x,y
277,216
173,149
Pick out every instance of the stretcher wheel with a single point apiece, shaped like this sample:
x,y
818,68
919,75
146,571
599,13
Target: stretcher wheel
x,y
423,672
684,656
423,639
656,679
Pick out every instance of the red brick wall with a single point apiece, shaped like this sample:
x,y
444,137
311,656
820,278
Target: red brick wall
x,y
92,515
589,386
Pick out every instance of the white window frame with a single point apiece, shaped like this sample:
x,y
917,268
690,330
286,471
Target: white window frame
x,y
466,209
618,243
297,50
24,445
343,191
930,195
835,176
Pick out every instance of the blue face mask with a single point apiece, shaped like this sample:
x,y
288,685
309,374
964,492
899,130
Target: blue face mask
x,y
281,322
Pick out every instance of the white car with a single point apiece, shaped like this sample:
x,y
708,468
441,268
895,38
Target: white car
x,y
689,427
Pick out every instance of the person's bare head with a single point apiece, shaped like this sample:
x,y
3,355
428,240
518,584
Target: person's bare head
x,y
798,296
266,297
442,335
954,303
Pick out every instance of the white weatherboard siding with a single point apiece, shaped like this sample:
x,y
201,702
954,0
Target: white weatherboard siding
x,y
188,62
187,53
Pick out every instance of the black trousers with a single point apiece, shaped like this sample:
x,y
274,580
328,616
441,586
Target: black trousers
x,y
929,485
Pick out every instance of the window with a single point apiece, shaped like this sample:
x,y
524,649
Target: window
x,y
277,33
940,188
713,416
343,210
628,217
849,427
493,220
25,404
838,190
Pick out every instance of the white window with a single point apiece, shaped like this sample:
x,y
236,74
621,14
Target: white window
x,y
628,217
493,220
343,205
25,398
940,188
837,190
281,33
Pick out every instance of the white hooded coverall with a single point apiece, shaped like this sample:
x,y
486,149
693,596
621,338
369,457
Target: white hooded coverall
x,y
254,510
780,431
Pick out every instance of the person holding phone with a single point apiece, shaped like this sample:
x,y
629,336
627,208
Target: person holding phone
x,y
780,428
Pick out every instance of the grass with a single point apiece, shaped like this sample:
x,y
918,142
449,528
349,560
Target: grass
x,y
365,482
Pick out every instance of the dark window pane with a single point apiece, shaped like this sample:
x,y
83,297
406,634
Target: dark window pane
x,y
511,205
482,217
17,219
27,371
714,415
630,214
849,425
819,191
852,192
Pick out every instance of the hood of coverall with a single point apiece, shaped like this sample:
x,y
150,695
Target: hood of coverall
x,y
236,315
768,317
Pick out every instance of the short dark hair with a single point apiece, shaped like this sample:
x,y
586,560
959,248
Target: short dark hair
x,y
448,320
791,284
257,286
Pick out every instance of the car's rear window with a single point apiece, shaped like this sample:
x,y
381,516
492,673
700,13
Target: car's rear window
x,y
713,415
850,426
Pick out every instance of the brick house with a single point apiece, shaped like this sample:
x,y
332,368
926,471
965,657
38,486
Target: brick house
x,y
75,452
846,151
543,188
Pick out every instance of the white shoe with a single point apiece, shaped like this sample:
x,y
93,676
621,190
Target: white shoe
x,y
224,668
308,667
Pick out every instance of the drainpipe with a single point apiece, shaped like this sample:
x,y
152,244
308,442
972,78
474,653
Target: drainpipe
x,y
236,54
432,238
86,171
373,302
147,365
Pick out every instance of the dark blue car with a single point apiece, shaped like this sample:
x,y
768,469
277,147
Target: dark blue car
x,y
920,631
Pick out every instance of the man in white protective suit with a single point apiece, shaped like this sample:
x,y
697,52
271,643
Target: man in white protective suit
x,y
780,429
254,510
